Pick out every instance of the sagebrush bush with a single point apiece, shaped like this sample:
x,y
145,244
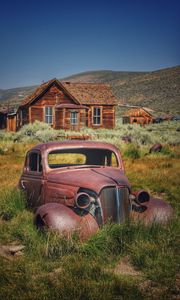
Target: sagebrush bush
x,y
36,131
150,134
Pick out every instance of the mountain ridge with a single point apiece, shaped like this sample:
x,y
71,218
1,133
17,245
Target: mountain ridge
x,y
159,90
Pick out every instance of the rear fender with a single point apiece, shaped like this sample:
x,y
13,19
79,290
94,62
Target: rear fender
x,y
63,219
155,210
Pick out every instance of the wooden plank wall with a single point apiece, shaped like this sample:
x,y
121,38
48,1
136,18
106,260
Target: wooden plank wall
x,y
50,98
36,113
138,116
108,117
140,120
11,123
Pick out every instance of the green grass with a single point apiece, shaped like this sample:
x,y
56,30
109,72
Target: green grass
x,y
12,202
53,266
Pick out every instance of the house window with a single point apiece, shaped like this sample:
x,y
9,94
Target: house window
x,y
49,114
74,118
96,115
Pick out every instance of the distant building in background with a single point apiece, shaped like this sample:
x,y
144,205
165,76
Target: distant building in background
x,y
138,115
7,119
65,105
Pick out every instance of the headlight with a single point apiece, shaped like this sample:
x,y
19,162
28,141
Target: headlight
x,y
83,200
140,197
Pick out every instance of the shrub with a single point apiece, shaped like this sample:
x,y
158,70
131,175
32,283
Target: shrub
x,y
36,131
132,152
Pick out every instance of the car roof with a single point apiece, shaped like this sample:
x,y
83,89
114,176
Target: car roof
x,y
74,144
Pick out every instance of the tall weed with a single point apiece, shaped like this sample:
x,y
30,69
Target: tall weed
x,y
12,202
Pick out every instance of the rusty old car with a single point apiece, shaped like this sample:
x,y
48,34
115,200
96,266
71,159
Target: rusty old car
x,y
77,186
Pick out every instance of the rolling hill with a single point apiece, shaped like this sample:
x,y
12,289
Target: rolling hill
x,y
103,76
158,90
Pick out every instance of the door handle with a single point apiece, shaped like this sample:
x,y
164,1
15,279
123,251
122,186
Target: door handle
x,y
22,184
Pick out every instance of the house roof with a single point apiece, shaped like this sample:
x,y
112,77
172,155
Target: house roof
x,y
80,93
133,112
42,89
91,93
8,111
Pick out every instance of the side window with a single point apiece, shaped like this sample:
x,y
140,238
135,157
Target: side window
x,y
35,162
96,116
114,162
110,160
49,114
74,118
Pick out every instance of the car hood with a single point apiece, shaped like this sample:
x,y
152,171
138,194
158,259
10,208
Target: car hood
x,y
91,178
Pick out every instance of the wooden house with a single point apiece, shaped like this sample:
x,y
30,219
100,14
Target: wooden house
x,y
138,115
68,106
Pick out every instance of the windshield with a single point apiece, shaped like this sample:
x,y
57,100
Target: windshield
x,y
81,157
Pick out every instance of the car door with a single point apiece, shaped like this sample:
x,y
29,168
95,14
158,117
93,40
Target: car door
x,y
32,179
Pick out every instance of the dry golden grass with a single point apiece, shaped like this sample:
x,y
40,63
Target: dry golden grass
x,y
11,164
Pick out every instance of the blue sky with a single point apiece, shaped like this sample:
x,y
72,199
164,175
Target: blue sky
x,y
43,39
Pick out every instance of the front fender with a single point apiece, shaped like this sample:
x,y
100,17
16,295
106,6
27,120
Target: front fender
x,y
155,210
64,220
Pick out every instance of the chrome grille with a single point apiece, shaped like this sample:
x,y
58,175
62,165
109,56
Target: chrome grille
x,y
115,204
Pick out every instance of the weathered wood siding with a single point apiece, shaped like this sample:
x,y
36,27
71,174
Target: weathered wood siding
x,y
11,123
137,116
52,97
36,113
108,117
140,120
